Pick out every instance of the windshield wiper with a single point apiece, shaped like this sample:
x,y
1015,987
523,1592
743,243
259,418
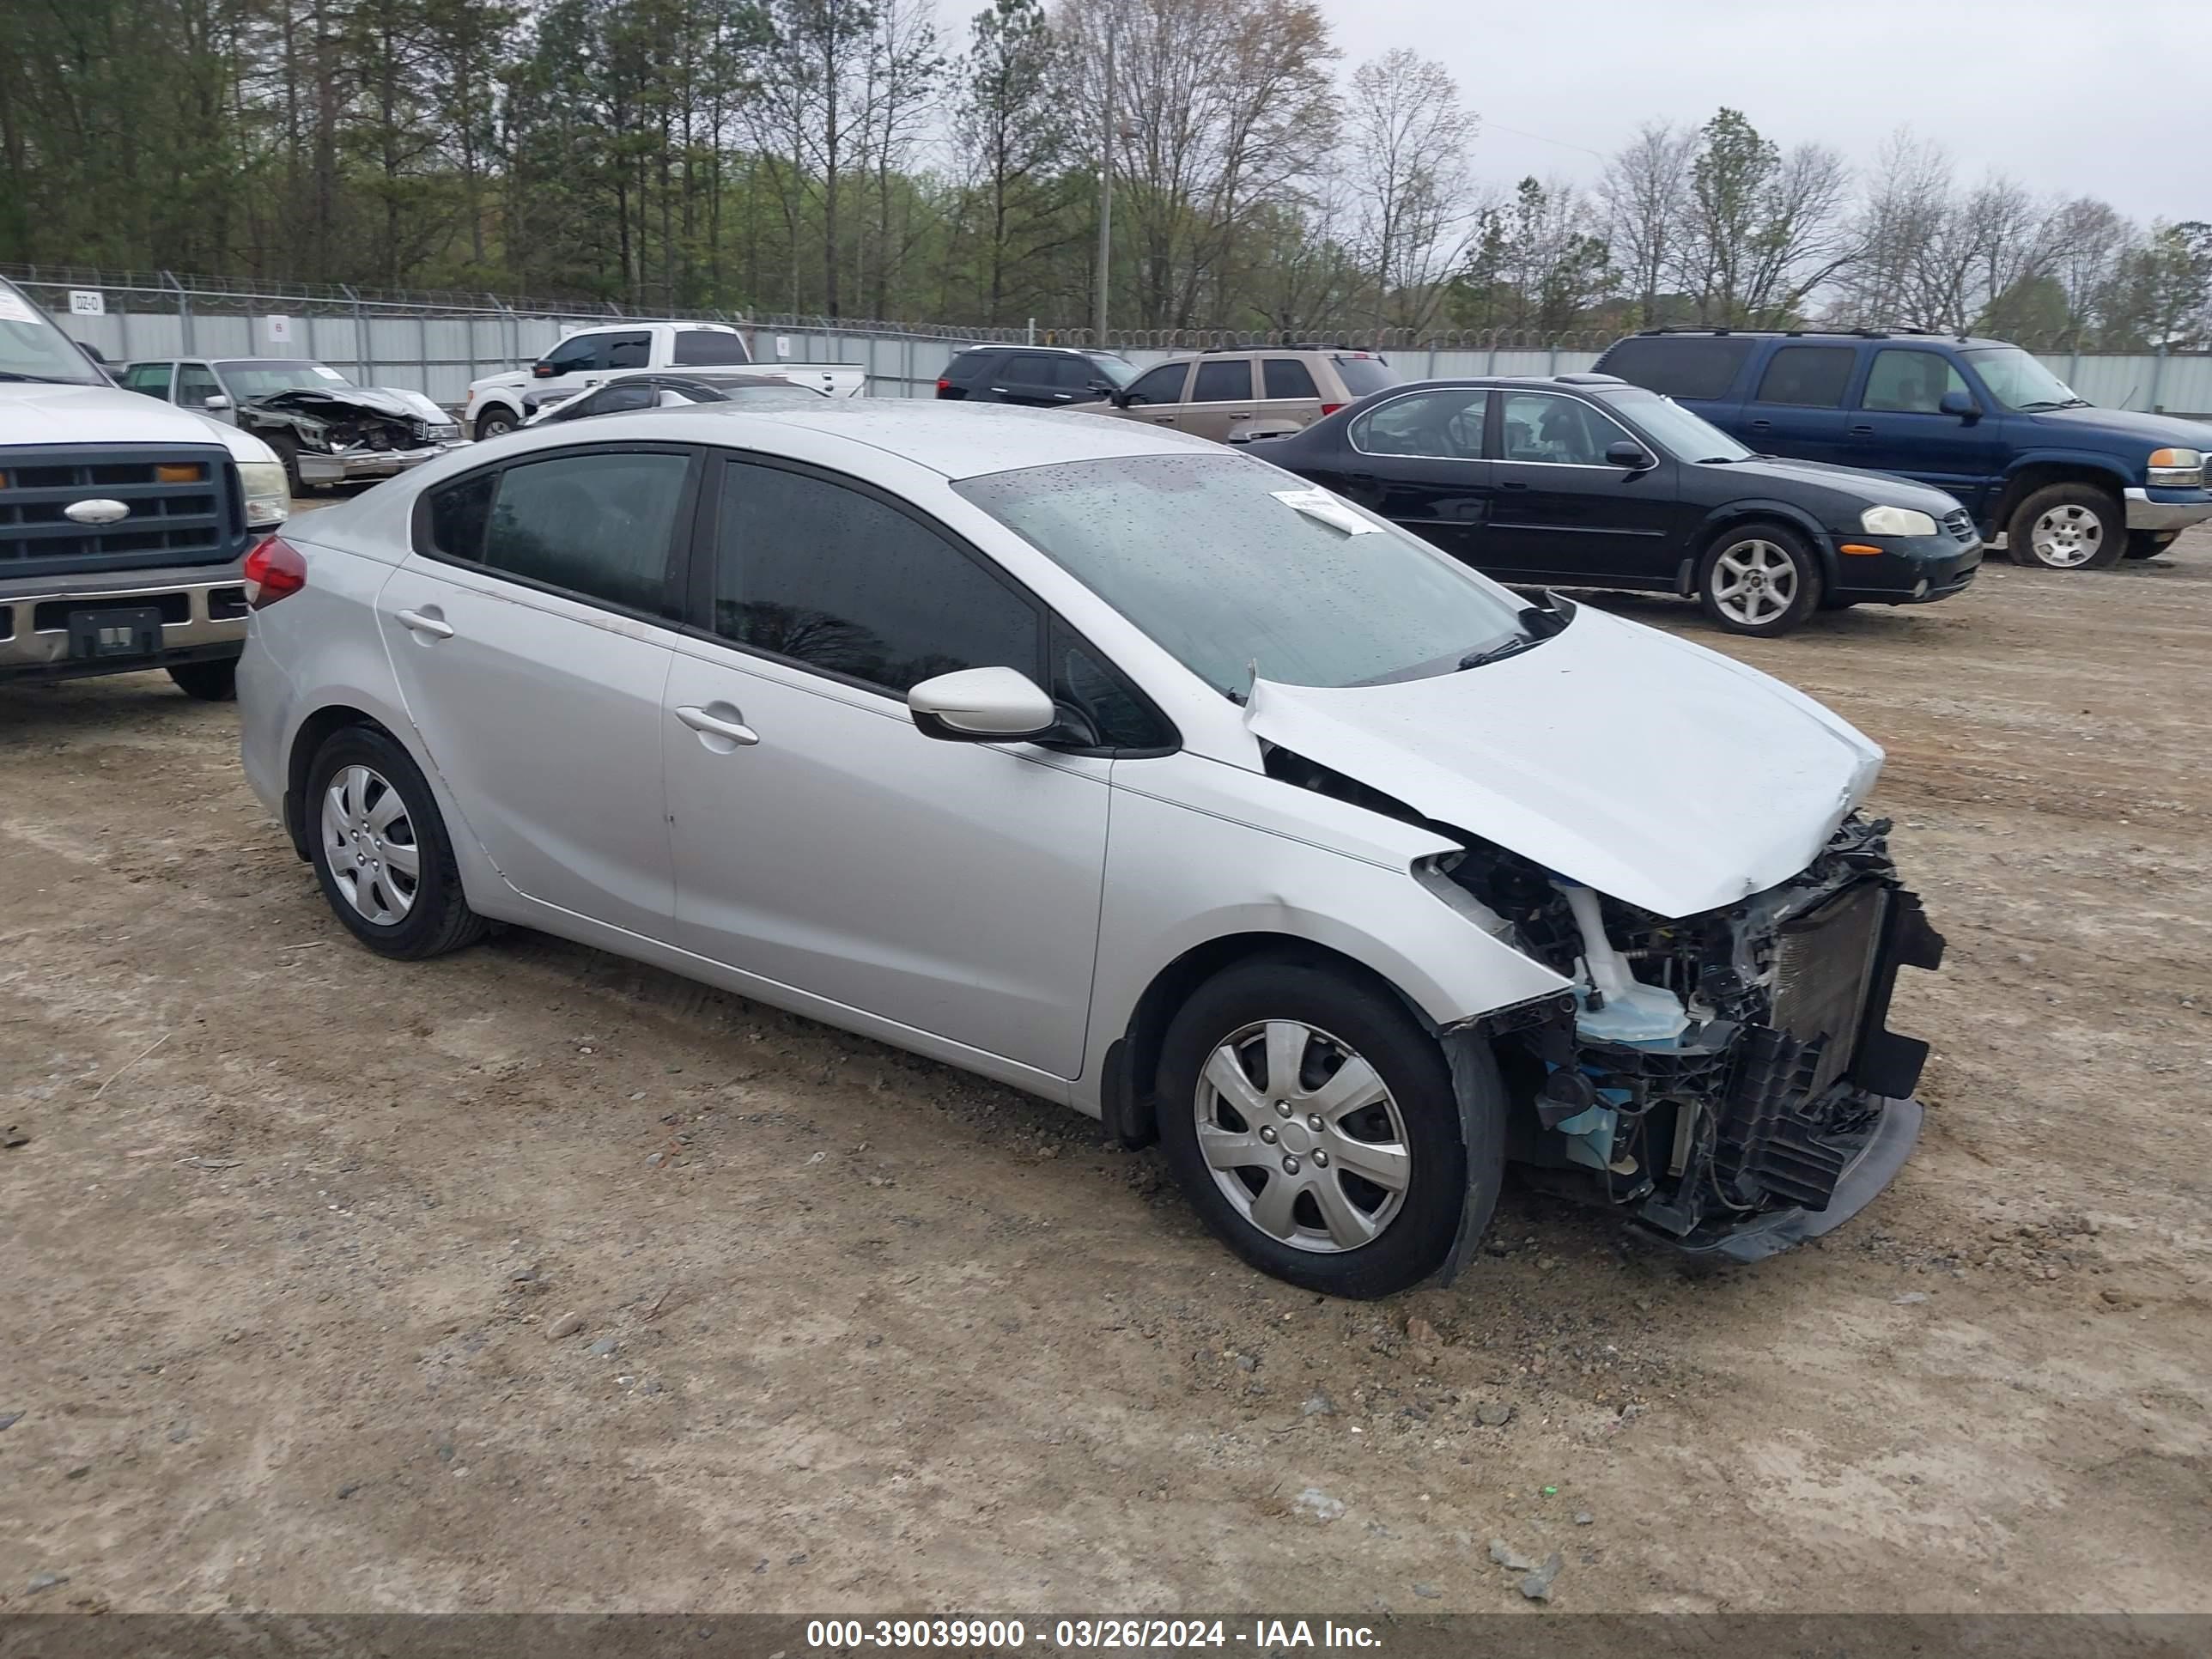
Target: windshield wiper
x,y
2053,403
1537,623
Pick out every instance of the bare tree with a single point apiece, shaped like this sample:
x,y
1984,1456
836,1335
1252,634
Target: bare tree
x,y
1645,192
1408,138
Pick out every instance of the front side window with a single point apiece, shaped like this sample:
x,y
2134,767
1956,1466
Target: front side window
x,y
152,379
1806,376
573,355
597,525
1562,431
1228,563
1288,377
1224,383
1443,425
696,347
1910,382
1163,385
1120,716
817,572
196,384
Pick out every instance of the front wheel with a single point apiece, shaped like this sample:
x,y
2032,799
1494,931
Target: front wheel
x,y
2067,526
1761,580
494,422
380,850
287,450
1311,1123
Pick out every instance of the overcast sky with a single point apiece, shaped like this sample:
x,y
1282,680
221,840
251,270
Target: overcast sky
x,y
2078,97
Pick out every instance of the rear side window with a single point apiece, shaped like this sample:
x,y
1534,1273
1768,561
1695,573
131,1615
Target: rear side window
x,y
1910,382
1224,383
628,351
967,368
1443,425
818,573
1808,377
1030,368
1363,375
1679,365
1288,377
1069,375
598,525
696,347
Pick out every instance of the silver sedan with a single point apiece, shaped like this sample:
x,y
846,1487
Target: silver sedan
x,y
1134,773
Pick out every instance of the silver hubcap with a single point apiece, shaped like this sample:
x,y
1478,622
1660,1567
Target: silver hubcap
x,y
2066,535
369,844
1302,1137
1754,582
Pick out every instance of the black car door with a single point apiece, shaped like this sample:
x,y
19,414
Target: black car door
x,y
1029,378
1562,511
1416,460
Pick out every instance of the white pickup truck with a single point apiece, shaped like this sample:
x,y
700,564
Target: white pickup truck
x,y
125,523
500,403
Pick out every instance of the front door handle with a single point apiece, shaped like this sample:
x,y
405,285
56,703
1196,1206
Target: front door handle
x,y
1863,432
1762,426
713,725
421,622
1512,483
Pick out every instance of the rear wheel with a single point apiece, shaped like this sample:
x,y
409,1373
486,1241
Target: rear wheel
x,y
495,420
2067,526
1759,579
209,682
380,850
1311,1123
2149,543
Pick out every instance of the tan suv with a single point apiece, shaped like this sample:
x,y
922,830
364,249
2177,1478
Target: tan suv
x,y
1234,396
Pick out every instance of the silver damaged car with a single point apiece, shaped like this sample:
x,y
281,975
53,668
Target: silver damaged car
x,y
1131,771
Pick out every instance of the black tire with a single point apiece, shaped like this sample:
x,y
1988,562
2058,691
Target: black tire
x,y
2149,543
437,918
2108,540
209,682
494,422
1744,541
1371,1023
287,451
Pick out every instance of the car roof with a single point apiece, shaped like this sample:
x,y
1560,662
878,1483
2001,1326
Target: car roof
x,y
1839,335
1015,345
957,439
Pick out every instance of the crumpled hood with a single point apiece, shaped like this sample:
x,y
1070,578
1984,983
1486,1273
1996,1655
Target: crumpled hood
x,y
34,412
1668,775
339,401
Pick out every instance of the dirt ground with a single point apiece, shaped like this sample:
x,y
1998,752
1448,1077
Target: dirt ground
x,y
285,1251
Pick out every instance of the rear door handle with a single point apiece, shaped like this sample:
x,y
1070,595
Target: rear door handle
x,y
736,730
1762,426
419,622
1863,432
1512,483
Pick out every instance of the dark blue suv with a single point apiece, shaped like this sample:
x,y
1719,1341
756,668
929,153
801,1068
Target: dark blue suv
x,y
2070,485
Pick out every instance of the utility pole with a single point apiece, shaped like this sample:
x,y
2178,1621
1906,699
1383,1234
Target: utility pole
x,y
1105,193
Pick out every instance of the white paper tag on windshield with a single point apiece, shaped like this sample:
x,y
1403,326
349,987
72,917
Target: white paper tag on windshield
x,y
328,372
1320,504
14,310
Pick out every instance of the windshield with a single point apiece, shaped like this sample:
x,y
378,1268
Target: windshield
x,y
33,349
1684,436
1114,372
1227,562
2016,379
256,377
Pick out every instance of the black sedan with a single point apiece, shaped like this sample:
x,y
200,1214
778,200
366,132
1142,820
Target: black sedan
x,y
673,388
1585,481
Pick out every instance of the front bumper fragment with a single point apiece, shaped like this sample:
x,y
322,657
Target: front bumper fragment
x,y
2168,509
1887,1142
355,464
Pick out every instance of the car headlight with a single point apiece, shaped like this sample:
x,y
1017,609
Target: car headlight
x,y
2177,468
1896,521
268,493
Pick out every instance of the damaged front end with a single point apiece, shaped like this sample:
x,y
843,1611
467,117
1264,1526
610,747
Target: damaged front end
x,y
1728,1079
352,433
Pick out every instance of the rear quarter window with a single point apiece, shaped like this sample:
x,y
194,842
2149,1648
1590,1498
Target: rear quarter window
x,y
1684,365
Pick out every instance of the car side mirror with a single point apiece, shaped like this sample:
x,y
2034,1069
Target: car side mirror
x,y
215,401
542,370
1633,456
1121,399
981,705
1960,403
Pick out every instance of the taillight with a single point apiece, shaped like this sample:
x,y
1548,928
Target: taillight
x,y
1330,409
273,570
943,386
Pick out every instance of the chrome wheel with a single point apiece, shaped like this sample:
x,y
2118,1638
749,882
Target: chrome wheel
x,y
2066,535
369,844
1755,583
1302,1137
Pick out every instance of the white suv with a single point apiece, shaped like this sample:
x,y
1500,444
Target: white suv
x,y
1128,771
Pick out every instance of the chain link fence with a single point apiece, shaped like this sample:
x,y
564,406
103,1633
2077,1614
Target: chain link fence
x,y
437,341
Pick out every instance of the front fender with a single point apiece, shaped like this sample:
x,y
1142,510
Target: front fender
x,y
2107,468
1721,518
